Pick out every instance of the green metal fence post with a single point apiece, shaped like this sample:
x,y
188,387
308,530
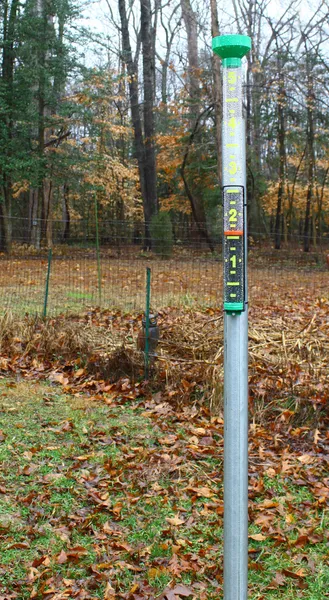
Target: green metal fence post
x,y
147,320
99,277
50,255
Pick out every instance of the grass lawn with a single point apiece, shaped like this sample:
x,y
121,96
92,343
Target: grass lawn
x,y
125,500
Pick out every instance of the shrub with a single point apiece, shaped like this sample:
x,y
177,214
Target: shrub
x,y
162,234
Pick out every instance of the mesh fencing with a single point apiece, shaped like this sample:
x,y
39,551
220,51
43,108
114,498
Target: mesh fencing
x,y
81,279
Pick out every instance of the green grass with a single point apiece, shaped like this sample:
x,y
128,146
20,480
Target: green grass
x,y
96,480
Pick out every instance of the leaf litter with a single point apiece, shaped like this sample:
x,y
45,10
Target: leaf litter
x,y
149,498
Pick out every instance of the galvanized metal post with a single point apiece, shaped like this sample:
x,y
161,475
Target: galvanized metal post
x,y
231,48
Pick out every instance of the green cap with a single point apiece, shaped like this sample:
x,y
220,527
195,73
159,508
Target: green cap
x,y
235,307
231,48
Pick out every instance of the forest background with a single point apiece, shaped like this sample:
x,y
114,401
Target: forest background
x,y
127,115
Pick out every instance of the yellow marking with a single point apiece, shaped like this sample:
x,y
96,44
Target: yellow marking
x,y
232,272
233,213
232,122
233,237
232,111
231,77
232,145
233,167
232,295
232,202
232,133
233,261
233,248
235,191
232,179
235,283
232,100
232,88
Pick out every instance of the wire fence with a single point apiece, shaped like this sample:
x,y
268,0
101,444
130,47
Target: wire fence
x,y
127,233
71,280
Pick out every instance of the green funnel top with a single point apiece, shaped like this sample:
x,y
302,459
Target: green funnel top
x,y
231,48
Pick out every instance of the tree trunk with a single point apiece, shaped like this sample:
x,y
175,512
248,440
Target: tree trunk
x,y
282,154
3,243
7,214
8,60
217,89
195,197
135,116
58,89
310,158
191,27
48,195
320,205
37,196
148,113
197,207
66,213
34,201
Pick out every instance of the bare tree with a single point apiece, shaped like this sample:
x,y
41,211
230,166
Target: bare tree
x,y
143,140
151,202
195,197
311,38
191,26
170,27
10,13
217,89
252,19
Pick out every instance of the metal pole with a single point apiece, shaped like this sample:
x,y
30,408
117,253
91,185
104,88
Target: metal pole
x,y
231,48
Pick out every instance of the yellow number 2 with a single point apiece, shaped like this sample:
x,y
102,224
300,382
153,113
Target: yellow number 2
x,y
233,213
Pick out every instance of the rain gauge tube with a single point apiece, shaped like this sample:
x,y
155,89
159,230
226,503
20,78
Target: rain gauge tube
x,y
231,48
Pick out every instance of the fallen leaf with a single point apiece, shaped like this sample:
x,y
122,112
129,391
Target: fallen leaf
x,y
258,537
62,557
278,581
298,575
203,491
178,591
19,546
168,439
117,508
28,455
306,459
155,572
174,520
29,469
109,593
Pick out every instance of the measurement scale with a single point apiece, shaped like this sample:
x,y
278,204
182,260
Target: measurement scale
x,y
232,48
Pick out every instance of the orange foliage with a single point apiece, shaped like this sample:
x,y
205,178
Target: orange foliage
x,y
104,149
298,202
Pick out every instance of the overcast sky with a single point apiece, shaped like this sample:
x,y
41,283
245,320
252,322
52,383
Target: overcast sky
x,y
96,16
